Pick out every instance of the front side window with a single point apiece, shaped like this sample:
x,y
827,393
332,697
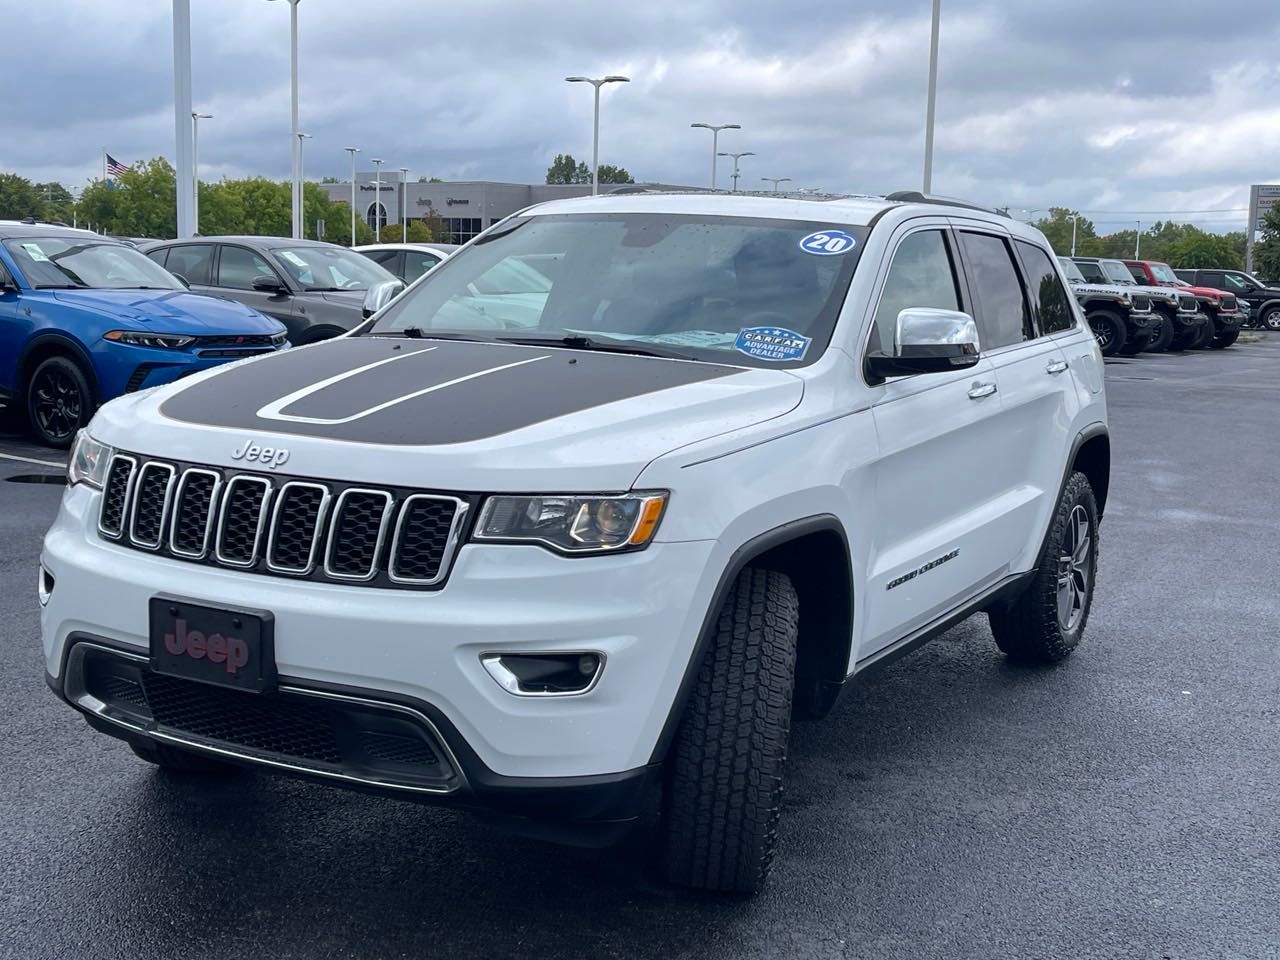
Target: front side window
x,y
61,262
1138,275
1001,313
1091,271
1049,299
1235,284
696,284
330,268
238,267
921,275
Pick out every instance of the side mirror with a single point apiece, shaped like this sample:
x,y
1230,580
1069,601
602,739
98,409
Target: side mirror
x,y
379,295
928,341
6,284
182,280
266,284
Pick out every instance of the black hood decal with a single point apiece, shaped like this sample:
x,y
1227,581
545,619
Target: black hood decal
x,y
421,392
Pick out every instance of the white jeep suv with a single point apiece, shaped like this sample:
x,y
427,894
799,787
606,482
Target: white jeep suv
x,y
570,531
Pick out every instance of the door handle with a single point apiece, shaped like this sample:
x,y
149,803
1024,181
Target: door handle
x,y
1056,366
980,390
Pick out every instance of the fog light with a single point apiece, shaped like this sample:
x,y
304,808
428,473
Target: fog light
x,y
544,674
44,586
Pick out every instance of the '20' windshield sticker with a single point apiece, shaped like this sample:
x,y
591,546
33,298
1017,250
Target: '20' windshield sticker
x,y
828,243
772,343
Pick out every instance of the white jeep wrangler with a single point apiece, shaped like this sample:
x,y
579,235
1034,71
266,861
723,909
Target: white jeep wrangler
x,y
570,530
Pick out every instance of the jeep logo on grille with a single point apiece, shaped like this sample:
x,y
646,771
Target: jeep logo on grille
x,y
269,457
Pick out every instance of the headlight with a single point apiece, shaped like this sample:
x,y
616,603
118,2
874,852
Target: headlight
x,y
88,463
573,524
143,338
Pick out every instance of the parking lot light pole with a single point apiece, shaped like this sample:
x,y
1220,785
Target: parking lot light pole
x,y
377,200
353,151
404,204
301,137
296,141
736,158
195,168
1137,241
1074,220
182,115
775,181
933,97
595,128
715,142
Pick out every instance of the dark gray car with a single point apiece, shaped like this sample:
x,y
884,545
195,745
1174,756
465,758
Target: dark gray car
x,y
317,290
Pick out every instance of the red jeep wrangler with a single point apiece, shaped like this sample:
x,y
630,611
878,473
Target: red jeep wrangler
x,y
1222,309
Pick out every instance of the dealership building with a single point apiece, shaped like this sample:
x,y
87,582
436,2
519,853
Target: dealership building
x,y
466,206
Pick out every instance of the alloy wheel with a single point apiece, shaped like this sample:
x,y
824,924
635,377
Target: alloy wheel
x,y
1272,319
1103,334
1074,568
57,404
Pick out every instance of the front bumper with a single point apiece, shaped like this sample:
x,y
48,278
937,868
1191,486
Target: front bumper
x,y
1189,321
1228,322
641,611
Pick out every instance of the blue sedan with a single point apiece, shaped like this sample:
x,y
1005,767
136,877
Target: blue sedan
x,y
84,319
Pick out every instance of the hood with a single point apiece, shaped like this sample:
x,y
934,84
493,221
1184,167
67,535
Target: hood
x,y
451,415
171,311
1107,289
1159,293
1211,292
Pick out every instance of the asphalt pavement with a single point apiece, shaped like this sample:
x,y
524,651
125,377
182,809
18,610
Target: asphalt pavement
x,y
1124,804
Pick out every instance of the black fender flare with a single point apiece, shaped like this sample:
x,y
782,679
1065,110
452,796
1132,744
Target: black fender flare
x,y
741,557
64,344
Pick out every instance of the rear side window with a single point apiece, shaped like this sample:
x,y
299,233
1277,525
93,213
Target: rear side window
x,y
1049,301
1001,309
1138,274
921,275
193,262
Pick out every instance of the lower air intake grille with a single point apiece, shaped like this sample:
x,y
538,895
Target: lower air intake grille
x,y
299,730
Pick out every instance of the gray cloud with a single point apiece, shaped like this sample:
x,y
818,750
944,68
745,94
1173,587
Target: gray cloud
x,y
1098,105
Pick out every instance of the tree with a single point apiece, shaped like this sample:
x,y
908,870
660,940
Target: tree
x,y
1057,229
1204,250
330,180
418,232
425,179
611,174
1266,253
564,169
19,198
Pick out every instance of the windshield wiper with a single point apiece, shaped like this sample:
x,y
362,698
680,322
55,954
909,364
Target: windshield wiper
x,y
576,341
61,286
417,333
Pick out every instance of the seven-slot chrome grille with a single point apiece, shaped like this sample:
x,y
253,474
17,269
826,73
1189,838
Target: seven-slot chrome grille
x,y
1187,304
285,526
1141,304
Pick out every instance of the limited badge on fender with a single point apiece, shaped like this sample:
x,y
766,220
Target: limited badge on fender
x,y
772,343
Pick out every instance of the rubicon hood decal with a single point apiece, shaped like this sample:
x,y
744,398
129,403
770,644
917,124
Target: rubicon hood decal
x,y
392,391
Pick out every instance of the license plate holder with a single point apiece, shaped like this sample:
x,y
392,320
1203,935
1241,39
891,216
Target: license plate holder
x,y
227,646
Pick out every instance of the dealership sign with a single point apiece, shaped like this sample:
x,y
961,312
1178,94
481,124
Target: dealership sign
x,y
1262,197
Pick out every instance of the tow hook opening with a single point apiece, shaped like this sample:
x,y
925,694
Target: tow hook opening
x,y
545,674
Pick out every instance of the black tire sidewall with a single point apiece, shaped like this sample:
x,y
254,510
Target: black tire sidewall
x,y
1078,493
1119,336
1271,319
81,381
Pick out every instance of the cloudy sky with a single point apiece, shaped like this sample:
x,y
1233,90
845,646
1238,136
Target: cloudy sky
x,y
1130,108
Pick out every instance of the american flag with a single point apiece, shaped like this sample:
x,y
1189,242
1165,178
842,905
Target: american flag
x,y
114,167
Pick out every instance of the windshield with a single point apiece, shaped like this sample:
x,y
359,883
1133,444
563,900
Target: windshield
x,y
1164,273
61,262
1117,272
330,268
1071,269
702,284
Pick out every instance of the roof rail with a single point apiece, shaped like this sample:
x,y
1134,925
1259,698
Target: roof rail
x,y
915,196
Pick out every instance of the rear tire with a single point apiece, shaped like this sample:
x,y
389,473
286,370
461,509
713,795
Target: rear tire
x,y
59,401
1045,622
724,793
1109,330
1224,340
173,760
1271,319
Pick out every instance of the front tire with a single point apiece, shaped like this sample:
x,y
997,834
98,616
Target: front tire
x,y
1163,335
1045,622
59,401
1208,330
1271,319
1108,330
1224,340
724,793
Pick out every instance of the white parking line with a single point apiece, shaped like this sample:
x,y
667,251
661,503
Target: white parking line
x,y
43,463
